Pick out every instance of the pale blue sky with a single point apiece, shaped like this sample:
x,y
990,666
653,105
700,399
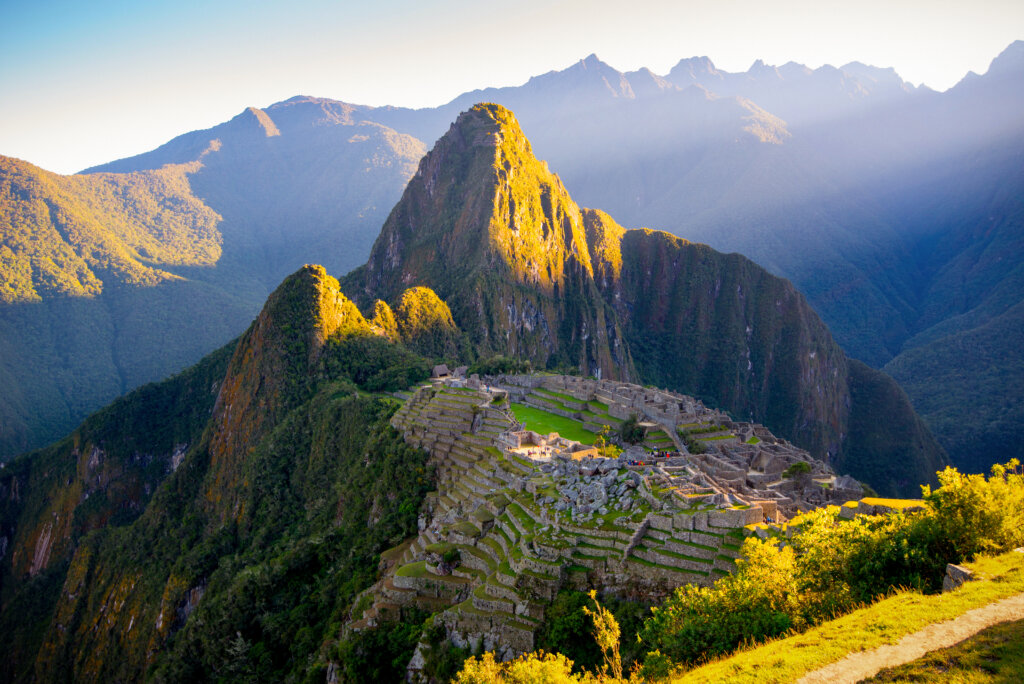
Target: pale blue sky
x,y
86,82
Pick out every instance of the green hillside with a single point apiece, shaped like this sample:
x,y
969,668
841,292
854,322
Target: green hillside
x,y
110,280
265,481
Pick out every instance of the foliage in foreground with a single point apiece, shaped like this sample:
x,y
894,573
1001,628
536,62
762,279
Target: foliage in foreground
x,y
829,567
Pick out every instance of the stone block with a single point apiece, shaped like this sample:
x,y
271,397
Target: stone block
x,y
682,521
955,576
661,522
700,521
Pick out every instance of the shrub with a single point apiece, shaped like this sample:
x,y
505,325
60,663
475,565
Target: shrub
x,y
631,432
798,468
978,515
498,365
757,602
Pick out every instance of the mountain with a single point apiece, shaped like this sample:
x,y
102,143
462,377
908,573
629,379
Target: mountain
x,y
91,287
246,480
894,209
492,231
870,195
112,279
221,524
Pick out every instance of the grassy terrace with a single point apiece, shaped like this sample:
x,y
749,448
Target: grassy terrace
x,y
559,395
895,504
884,622
543,422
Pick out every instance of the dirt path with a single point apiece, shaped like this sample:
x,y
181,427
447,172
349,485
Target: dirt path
x,y
857,666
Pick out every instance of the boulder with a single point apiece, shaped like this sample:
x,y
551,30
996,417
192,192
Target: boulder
x,y
955,576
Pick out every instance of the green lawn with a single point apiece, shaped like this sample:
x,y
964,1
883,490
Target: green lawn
x,y
544,422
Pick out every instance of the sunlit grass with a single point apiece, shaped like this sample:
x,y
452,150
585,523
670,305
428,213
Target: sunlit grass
x,y
884,622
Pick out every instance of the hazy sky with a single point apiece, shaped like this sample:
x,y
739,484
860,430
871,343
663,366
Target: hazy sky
x,y
86,82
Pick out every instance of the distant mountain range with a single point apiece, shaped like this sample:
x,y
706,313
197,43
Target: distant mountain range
x,y
894,209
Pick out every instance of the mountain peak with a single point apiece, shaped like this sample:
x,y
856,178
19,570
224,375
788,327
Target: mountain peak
x,y
489,228
693,70
255,120
488,116
1010,61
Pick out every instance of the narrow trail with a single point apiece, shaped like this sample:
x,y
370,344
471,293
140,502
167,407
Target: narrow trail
x,y
857,666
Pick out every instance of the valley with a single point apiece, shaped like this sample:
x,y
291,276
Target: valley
x,y
475,423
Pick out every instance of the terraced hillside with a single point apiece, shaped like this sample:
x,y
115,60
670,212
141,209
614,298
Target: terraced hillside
x,y
517,516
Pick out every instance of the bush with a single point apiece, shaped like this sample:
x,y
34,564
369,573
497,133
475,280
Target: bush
x,y
831,565
499,365
798,468
631,432
978,515
759,601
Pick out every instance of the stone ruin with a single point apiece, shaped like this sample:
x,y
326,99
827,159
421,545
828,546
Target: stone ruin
x,y
522,515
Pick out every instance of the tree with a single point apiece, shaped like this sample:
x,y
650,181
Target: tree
x,y
631,432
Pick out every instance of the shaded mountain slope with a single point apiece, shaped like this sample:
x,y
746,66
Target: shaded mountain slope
x,y
91,290
267,526
102,475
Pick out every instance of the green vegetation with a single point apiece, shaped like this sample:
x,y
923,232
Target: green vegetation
x,y
276,515
893,467
498,365
884,622
425,324
542,422
798,468
830,568
121,279
631,432
372,655
693,445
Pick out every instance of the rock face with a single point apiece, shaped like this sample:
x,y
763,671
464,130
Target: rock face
x,y
490,229
527,273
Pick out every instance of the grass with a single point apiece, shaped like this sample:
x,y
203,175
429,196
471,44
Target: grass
x,y
884,622
544,422
896,504
992,655
559,395
417,569
753,440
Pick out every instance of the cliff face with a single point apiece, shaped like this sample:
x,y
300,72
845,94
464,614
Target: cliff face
x,y
731,333
495,234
